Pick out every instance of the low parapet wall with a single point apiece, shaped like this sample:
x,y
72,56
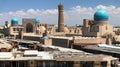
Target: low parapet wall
x,y
89,41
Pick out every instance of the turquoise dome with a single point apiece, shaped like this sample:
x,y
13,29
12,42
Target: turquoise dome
x,y
37,20
45,37
101,14
14,20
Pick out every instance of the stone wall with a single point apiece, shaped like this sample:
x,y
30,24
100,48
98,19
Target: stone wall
x,y
90,40
31,38
60,42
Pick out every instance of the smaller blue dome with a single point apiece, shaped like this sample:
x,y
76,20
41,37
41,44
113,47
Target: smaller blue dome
x,y
45,37
14,20
101,14
37,20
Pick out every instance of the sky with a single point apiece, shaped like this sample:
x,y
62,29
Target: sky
x,y
74,10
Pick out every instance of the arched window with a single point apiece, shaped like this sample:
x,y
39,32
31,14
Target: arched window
x,y
106,28
29,28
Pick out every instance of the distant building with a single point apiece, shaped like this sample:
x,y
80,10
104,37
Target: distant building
x,y
99,26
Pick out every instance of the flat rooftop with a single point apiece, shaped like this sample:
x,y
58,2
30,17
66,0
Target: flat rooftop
x,y
24,41
104,49
61,54
65,54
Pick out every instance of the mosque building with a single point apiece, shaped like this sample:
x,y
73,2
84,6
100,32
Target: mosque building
x,y
99,26
29,25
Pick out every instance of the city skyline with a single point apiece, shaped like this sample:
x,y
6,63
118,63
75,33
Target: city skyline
x,y
75,10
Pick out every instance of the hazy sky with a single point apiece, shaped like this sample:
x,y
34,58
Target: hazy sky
x,y
46,10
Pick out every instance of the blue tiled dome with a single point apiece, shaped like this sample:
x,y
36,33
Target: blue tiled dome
x,y
37,20
14,20
101,14
45,37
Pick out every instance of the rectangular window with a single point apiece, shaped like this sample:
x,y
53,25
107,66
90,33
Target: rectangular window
x,y
103,64
87,64
13,29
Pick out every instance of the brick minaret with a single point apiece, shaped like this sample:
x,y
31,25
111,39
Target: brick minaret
x,y
60,18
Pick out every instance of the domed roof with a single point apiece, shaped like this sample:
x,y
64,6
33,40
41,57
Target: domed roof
x,y
42,28
14,20
66,29
45,37
101,14
37,20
